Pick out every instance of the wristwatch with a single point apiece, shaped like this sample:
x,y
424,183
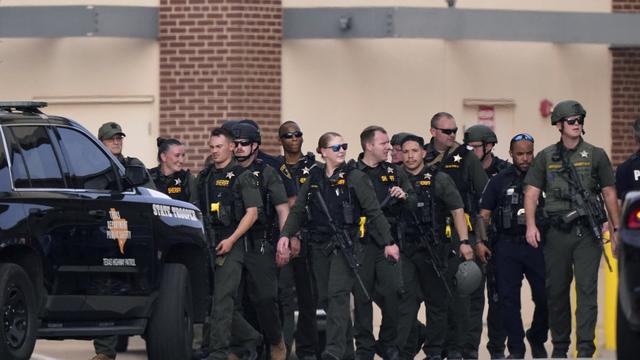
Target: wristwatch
x,y
465,242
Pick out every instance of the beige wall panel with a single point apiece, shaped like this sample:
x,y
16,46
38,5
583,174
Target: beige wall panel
x,y
345,85
546,5
92,80
79,2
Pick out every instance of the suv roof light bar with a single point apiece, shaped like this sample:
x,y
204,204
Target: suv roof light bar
x,y
23,106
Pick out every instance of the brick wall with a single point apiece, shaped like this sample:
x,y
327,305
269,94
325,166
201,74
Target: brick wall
x,y
219,59
625,91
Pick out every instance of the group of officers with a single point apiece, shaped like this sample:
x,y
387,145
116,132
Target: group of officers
x,y
436,224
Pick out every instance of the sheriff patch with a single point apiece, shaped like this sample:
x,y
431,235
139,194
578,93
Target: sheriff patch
x,y
174,190
222,182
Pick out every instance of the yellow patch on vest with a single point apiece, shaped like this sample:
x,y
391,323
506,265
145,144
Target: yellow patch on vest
x,y
554,166
303,180
424,182
452,166
341,182
384,178
582,164
222,182
174,190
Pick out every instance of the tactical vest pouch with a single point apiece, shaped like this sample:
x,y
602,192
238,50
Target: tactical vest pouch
x,y
220,214
348,213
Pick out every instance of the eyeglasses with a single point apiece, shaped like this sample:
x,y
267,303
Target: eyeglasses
x,y
292,134
522,136
573,121
242,143
337,147
448,131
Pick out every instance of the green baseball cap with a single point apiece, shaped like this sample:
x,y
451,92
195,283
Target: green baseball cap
x,y
109,130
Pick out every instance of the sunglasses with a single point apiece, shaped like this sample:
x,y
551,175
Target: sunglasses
x,y
337,147
448,131
292,134
573,121
242,143
523,136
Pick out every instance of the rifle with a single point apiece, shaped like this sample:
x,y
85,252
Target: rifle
x,y
426,243
397,265
586,205
343,242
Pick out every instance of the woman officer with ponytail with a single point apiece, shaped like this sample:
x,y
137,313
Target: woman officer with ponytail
x,y
334,197
169,176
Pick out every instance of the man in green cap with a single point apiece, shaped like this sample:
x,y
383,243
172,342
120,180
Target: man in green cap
x,y
573,174
112,137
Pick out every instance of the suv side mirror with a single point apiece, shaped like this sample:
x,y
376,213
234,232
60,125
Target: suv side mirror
x,y
136,175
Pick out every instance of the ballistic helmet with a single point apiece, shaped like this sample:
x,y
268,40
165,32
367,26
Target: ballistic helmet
x,y
480,132
565,109
468,277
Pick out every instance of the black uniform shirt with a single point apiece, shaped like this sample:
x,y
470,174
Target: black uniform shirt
x,y
628,176
496,189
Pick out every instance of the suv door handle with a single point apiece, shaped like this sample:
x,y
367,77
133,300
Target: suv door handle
x,y
98,214
37,212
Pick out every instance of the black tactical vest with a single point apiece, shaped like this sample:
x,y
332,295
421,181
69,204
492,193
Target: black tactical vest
x,y
339,197
302,169
221,200
509,217
452,164
429,213
267,214
175,185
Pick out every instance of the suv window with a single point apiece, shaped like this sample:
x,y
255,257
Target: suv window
x,y
33,162
89,166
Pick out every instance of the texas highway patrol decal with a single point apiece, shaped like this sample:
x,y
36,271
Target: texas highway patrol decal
x,y
118,229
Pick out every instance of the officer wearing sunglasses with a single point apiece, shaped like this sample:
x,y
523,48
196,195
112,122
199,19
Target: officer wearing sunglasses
x,y
336,194
457,161
571,247
295,281
502,205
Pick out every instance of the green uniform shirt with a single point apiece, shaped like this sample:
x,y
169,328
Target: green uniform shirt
x,y
591,163
273,183
446,192
363,188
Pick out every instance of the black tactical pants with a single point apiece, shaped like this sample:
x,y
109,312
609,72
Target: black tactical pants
x,y
295,282
422,282
378,274
334,281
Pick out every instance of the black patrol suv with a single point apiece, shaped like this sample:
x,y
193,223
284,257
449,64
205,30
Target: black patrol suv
x,y
85,251
628,321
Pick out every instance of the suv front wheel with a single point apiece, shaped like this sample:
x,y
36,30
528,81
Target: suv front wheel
x,y
17,313
170,329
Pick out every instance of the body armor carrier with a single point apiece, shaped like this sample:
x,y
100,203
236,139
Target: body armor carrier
x,y
510,218
176,185
220,202
453,168
340,197
428,213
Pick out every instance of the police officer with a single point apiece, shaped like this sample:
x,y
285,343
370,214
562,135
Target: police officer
x,y
503,203
396,147
425,249
260,272
571,245
229,199
481,140
333,198
295,280
169,176
628,173
465,169
112,137
394,193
